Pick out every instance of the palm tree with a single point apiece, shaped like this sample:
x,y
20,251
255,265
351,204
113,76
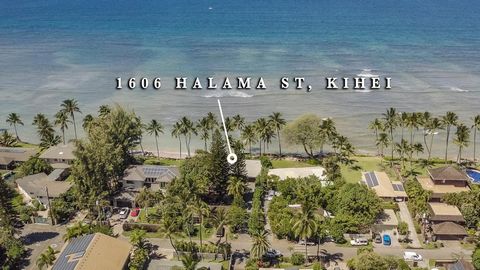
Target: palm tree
x,y
249,136
376,125
189,261
278,123
61,119
212,122
236,187
14,119
187,130
168,228
7,139
155,128
260,244
304,225
46,258
87,120
70,106
177,132
104,110
462,139
44,128
382,142
203,211
449,120
390,118
219,219
433,125
137,238
238,122
401,148
475,127
204,128
76,230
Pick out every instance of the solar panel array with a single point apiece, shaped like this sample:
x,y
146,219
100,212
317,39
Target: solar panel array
x,y
74,251
398,187
371,179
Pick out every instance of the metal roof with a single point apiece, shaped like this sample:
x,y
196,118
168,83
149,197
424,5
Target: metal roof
x,y
73,252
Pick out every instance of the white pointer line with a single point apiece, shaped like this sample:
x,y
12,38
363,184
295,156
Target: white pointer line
x,y
231,158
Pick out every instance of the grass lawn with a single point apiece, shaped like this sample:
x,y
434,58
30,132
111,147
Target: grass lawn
x,y
281,163
163,161
353,174
26,145
149,234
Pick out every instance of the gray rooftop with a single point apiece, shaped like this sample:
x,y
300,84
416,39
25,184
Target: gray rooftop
x,y
61,151
35,185
15,154
161,173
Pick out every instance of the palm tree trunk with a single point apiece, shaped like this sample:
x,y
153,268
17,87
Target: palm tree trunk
x,y
141,147
431,147
156,143
63,135
250,147
180,143
260,143
16,133
393,144
446,143
474,144
306,250
201,240
205,141
279,143
171,243
74,126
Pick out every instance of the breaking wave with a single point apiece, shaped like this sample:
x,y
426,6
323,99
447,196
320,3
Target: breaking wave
x,y
367,73
456,89
227,93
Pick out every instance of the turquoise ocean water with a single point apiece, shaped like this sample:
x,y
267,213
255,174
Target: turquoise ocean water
x,y
52,50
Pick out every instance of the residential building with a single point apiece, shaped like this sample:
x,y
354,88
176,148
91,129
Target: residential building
x,y
387,220
446,222
383,187
93,252
444,180
60,156
35,187
285,173
448,231
442,212
11,156
150,176
254,167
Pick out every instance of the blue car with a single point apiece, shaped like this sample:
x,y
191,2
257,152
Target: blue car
x,y
387,241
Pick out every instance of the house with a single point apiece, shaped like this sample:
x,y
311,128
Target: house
x,y
59,156
442,212
285,173
387,220
448,231
444,180
383,187
36,186
93,252
10,156
150,176
254,167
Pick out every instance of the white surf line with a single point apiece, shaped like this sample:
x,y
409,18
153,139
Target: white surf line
x,y
231,158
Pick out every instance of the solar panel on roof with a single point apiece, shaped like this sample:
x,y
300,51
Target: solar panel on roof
x,y
374,178
400,187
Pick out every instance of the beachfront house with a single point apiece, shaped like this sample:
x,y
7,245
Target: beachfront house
x,y
59,156
36,187
93,251
285,173
384,188
443,180
12,156
446,222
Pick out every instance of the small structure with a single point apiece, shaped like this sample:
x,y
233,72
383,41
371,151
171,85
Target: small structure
x,y
285,173
383,187
387,220
35,187
93,252
10,156
444,180
448,231
254,167
150,176
442,212
460,265
59,156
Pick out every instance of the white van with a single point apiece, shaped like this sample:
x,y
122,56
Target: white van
x,y
412,256
359,242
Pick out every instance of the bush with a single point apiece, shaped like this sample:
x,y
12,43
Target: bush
x,y
266,162
418,228
402,228
297,259
129,226
318,266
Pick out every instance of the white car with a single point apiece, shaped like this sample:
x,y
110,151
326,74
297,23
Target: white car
x,y
124,213
270,195
412,256
309,243
359,242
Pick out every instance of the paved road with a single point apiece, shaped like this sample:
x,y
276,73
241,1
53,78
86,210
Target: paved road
x,y
37,237
405,216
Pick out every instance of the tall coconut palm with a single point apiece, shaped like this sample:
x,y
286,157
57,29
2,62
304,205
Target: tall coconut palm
x,y
376,125
238,122
61,120
104,110
203,211
177,132
260,125
462,139
44,127
187,130
46,258
87,120
168,228
433,125
278,122
249,136
304,224
382,142
203,128
236,187
14,119
449,120
212,122
260,244
7,139
475,127
402,119
155,128
390,118
70,106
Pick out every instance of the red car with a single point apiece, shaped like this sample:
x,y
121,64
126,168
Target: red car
x,y
135,212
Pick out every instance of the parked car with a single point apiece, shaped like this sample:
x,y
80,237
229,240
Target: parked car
x,y
135,212
412,256
309,243
124,212
387,240
378,239
359,242
273,253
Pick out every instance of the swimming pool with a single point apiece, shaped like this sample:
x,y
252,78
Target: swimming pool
x,y
474,175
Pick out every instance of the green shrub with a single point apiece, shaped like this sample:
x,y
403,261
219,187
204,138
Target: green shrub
x,y
297,259
418,228
318,266
266,162
402,228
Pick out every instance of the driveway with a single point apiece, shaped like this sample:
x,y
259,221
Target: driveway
x,y
37,237
405,216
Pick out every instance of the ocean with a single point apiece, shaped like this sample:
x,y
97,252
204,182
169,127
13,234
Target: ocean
x,y
53,50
